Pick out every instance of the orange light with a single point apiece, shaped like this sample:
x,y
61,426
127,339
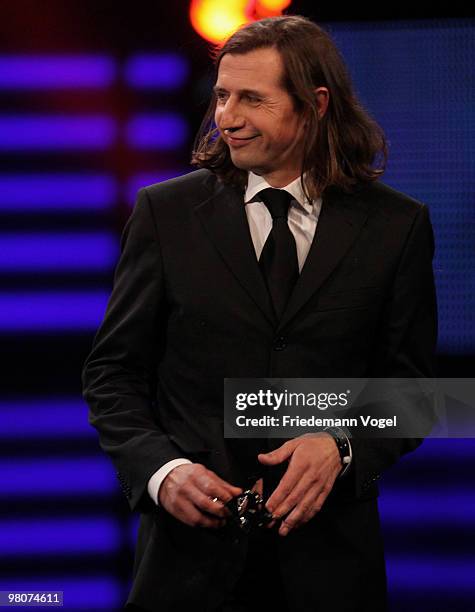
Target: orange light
x,y
270,8
274,5
216,20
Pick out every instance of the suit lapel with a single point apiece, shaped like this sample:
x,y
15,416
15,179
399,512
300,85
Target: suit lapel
x,y
341,220
224,219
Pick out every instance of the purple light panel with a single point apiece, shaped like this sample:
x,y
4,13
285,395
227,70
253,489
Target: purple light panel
x,y
58,536
56,192
52,311
55,72
427,506
47,418
429,573
23,133
57,477
72,252
166,71
163,131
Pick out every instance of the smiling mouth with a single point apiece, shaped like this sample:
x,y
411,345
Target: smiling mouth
x,y
237,141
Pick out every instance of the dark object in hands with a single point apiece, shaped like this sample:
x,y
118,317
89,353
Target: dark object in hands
x,y
248,511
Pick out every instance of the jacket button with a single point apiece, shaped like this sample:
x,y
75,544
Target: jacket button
x,y
279,343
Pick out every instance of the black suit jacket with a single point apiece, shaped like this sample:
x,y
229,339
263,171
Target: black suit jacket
x,y
189,307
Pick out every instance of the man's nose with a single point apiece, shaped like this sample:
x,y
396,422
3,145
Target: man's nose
x,y
231,116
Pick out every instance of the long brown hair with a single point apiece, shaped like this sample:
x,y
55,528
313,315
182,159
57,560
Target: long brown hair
x,y
344,148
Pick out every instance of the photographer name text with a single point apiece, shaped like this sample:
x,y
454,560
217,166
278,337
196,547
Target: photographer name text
x,y
313,421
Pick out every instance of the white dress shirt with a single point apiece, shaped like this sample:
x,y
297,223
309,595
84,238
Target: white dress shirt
x,y
302,219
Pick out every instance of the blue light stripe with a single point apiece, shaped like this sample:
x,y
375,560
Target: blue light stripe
x,y
79,592
431,573
56,192
61,476
62,418
145,179
51,311
425,507
55,72
161,131
166,71
62,133
66,536
71,252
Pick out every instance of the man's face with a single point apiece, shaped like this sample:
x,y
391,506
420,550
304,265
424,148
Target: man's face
x,y
256,117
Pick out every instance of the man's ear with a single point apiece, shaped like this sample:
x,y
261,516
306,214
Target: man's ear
x,y
322,96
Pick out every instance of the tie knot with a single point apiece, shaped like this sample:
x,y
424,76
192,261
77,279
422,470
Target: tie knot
x,y
277,201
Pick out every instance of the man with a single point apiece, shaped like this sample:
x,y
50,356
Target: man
x,y
214,283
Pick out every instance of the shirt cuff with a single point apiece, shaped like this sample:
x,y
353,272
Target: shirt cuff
x,y
159,476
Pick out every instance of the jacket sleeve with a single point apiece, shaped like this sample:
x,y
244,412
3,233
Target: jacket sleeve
x,y
407,345
119,375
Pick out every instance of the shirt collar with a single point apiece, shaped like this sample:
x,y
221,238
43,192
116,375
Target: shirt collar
x,y
256,183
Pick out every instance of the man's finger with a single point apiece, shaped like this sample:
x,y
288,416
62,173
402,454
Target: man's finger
x,y
279,454
302,513
300,492
192,516
213,486
211,505
225,490
258,486
306,509
289,481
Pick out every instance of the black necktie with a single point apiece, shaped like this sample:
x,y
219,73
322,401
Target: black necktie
x,y
278,260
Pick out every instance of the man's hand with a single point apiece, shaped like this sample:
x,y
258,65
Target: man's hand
x,y
313,468
187,493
